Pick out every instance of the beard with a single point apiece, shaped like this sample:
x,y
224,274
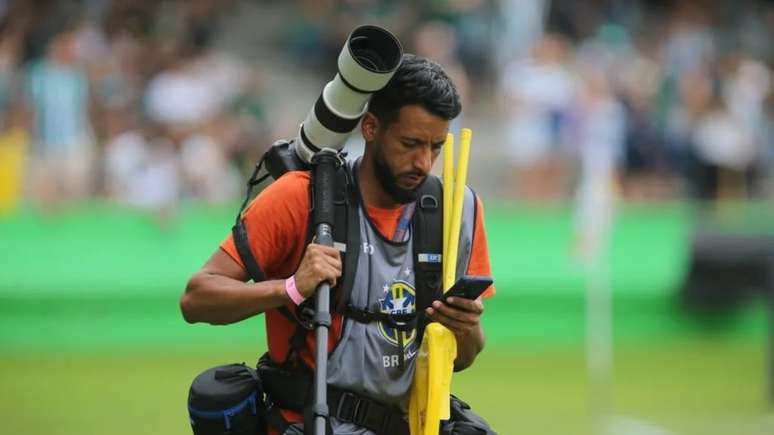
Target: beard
x,y
389,181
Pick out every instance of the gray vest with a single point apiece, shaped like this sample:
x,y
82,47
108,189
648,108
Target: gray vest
x,y
366,359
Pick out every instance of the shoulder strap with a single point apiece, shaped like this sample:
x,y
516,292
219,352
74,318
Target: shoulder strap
x,y
346,233
242,244
348,226
239,231
427,236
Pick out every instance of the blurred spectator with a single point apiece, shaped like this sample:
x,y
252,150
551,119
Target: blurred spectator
x,y
436,40
10,45
522,28
208,174
182,96
598,135
475,23
14,143
689,43
693,99
250,131
645,172
538,93
14,139
725,149
61,163
142,168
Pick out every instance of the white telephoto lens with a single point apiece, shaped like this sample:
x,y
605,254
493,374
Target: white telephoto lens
x,y
366,63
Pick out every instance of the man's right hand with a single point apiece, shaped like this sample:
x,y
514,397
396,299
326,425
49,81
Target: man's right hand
x,y
320,263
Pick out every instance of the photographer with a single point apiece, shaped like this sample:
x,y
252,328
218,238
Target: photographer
x,y
404,129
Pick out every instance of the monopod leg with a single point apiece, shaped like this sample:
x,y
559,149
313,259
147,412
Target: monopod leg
x,y
325,164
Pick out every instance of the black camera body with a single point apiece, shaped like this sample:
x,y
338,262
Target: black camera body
x,y
281,158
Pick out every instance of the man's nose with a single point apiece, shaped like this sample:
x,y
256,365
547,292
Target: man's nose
x,y
423,159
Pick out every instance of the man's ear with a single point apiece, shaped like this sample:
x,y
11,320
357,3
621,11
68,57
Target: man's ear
x,y
369,126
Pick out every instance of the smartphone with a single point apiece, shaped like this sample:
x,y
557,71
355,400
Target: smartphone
x,y
469,287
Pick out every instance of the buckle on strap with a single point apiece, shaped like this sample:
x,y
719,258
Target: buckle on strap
x,y
364,412
376,419
401,322
428,202
305,315
358,315
347,407
354,409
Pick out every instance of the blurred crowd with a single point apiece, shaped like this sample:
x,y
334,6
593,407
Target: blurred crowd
x,y
663,99
147,102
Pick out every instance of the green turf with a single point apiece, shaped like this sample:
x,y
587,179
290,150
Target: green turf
x,y
688,387
92,341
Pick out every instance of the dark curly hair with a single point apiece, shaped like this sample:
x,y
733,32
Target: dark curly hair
x,y
417,81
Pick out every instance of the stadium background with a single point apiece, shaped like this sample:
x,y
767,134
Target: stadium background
x,y
91,337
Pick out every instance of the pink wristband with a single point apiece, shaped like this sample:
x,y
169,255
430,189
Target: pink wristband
x,y
292,291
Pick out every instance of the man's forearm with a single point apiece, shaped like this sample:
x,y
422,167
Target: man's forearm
x,y
468,347
221,300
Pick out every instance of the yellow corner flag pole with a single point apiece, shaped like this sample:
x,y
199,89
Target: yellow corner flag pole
x,y
448,197
456,220
429,401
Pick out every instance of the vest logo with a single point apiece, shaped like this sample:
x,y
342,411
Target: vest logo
x,y
399,298
429,258
368,248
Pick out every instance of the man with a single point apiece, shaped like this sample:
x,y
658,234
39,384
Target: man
x,y
57,93
404,130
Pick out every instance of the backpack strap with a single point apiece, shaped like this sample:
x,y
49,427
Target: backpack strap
x,y
239,231
401,322
348,226
242,244
346,236
428,248
346,231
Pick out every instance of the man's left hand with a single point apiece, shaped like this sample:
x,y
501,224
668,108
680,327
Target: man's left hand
x,y
462,316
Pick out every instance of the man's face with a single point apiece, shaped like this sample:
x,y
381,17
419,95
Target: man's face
x,y
405,150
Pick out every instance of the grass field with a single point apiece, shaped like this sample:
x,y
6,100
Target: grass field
x,y
682,387
92,341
